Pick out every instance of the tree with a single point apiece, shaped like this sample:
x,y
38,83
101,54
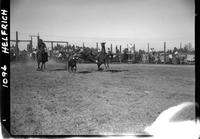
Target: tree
x,y
188,47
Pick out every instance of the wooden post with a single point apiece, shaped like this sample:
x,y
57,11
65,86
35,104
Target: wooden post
x,y
120,57
164,52
111,48
134,53
17,47
148,53
66,48
97,46
180,45
31,43
38,37
51,49
83,45
128,53
103,49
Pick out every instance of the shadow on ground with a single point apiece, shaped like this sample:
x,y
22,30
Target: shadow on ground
x,y
115,70
57,70
86,71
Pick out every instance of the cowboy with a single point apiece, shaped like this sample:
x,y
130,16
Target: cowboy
x,y
41,45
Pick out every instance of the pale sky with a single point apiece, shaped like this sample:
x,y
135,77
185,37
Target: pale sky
x,y
119,22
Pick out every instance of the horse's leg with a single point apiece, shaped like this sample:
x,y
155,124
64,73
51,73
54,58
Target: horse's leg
x,y
69,68
99,65
108,63
44,66
38,66
74,68
67,65
104,61
105,65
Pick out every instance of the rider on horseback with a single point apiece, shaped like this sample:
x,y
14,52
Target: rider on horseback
x,y
41,46
42,55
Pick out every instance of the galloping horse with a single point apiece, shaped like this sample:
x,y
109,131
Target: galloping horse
x,y
41,55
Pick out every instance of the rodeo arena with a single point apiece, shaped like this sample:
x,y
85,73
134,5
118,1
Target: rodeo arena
x,y
67,89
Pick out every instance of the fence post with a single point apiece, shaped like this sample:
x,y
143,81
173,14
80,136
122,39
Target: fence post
x,y
148,54
83,45
38,37
120,49
97,46
134,57
66,47
51,49
180,45
31,43
164,52
17,47
111,48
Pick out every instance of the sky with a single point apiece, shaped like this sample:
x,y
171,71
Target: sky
x,y
119,22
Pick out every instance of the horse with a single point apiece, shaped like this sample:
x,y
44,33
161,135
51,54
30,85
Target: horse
x,y
95,57
42,57
102,58
72,66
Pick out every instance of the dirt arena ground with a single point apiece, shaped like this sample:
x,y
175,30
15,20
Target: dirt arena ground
x,y
91,102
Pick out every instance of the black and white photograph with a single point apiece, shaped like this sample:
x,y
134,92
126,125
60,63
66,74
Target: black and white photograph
x,y
102,67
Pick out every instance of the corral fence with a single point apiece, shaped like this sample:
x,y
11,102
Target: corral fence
x,y
128,55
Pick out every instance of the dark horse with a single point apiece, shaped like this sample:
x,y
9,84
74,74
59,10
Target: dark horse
x,y
72,64
95,57
102,58
42,57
